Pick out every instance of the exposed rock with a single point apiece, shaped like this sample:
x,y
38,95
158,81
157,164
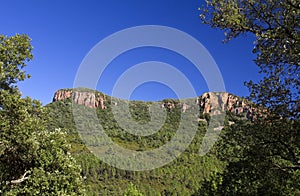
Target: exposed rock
x,y
184,107
230,123
61,95
86,98
209,103
100,102
205,103
201,120
218,128
216,103
168,105
224,99
232,101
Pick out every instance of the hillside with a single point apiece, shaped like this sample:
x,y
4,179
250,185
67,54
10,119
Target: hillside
x,y
184,174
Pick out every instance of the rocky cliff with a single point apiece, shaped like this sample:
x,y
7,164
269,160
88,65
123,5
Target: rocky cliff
x,y
215,103
81,96
209,103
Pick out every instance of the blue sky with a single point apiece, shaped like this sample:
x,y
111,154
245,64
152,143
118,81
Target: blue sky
x,y
63,32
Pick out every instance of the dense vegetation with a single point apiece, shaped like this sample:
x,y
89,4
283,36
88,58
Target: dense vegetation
x,y
34,160
185,174
41,152
263,156
237,164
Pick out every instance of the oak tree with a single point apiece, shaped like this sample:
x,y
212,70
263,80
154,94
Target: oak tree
x,y
264,153
33,160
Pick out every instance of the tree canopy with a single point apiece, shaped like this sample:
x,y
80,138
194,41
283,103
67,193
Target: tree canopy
x,y
263,156
275,27
33,160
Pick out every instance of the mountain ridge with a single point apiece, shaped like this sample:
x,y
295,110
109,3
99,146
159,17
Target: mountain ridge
x,y
102,178
213,103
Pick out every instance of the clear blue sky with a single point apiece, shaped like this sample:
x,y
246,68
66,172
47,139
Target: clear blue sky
x,y
64,31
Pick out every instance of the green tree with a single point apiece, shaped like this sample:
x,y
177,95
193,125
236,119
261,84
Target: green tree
x,y
268,148
132,191
275,27
261,160
33,160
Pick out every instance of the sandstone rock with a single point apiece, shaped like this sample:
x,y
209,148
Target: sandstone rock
x,y
218,128
231,102
209,103
230,123
224,98
216,103
184,107
169,105
61,95
85,98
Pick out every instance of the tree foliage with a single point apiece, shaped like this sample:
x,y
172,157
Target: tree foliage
x,y
275,27
260,160
15,51
263,156
33,160
183,175
132,191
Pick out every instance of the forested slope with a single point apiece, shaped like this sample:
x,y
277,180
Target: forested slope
x,y
183,175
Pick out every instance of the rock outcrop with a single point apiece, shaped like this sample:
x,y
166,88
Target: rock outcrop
x,y
216,103
61,95
170,104
86,98
184,107
209,103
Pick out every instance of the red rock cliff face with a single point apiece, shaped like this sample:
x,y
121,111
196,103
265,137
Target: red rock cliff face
x,y
215,103
88,99
209,103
